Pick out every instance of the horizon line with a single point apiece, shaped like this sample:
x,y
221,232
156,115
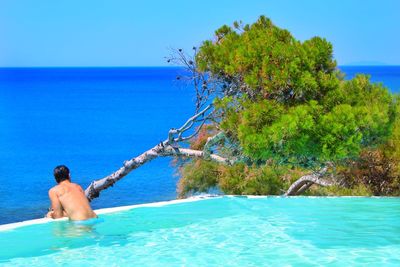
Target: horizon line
x,y
38,67
163,66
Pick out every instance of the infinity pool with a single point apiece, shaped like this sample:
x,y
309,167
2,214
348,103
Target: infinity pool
x,y
225,231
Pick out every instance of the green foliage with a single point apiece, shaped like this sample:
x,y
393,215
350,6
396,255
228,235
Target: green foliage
x,y
391,149
241,179
373,106
338,133
356,190
296,108
271,61
356,114
197,176
238,179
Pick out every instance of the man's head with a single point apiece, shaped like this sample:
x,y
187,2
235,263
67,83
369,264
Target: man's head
x,y
61,173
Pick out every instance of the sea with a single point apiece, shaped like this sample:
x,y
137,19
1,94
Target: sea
x,y
92,120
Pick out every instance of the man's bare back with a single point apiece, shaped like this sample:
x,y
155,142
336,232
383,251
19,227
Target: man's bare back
x,y
68,199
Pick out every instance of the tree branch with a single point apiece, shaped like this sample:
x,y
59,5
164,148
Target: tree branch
x,y
164,149
304,182
159,150
187,125
211,141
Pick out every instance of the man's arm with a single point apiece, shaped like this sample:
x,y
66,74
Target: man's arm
x,y
56,207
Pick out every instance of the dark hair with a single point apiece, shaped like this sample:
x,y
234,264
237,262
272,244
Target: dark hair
x,y
61,173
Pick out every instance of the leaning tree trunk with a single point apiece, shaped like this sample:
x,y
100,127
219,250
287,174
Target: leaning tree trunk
x,y
160,150
166,148
304,182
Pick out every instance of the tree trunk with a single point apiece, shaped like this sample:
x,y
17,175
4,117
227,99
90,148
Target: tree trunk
x,y
164,149
304,182
160,150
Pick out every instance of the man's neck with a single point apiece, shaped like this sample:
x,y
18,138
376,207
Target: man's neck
x,y
65,182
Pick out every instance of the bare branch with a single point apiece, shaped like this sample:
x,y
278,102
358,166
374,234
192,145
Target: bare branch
x,y
160,150
304,182
163,149
204,83
188,125
203,121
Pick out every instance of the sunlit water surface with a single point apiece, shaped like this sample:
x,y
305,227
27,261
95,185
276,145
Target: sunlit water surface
x,y
228,231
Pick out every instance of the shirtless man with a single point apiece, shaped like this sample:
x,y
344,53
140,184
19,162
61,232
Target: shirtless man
x,y
68,199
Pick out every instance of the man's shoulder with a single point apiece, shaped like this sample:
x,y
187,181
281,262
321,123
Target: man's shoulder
x,y
54,189
76,185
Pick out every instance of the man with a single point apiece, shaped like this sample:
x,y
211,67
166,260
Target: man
x,y
68,199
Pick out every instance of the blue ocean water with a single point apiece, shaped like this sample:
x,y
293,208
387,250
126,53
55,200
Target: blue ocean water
x,y
92,119
388,75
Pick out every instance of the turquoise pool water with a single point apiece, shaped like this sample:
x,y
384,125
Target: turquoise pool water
x,y
227,231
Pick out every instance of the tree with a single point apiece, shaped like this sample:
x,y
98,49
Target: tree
x,y
274,115
286,105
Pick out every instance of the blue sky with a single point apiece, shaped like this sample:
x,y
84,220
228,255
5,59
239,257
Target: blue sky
x,y
139,33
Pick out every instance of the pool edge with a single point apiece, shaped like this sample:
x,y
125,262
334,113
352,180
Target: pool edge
x,y
11,226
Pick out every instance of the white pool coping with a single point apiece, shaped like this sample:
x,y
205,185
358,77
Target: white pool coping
x,y
11,226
